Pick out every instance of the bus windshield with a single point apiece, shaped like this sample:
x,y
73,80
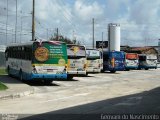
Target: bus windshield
x,y
49,52
118,55
142,58
76,52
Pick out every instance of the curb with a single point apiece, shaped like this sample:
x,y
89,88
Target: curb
x,y
16,95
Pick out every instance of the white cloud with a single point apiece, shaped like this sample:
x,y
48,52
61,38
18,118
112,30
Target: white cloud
x,y
139,19
85,11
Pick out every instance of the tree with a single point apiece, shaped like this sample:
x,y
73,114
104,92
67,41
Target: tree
x,y
63,39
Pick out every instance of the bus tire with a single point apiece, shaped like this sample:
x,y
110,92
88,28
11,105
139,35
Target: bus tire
x,y
48,82
102,71
146,68
20,75
112,71
69,77
8,71
86,74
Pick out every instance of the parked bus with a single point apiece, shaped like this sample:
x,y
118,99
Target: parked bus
x,y
131,61
113,61
42,60
76,60
94,61
147,61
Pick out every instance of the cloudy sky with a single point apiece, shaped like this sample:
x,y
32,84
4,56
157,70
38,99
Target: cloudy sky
x,y
139,20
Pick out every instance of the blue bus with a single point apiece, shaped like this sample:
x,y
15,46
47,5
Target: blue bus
x,y
113,61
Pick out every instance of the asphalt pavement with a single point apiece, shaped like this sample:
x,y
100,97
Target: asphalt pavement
x,y
15,89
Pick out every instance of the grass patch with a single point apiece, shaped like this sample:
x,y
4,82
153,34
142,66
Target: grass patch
x,y
3,71
3,87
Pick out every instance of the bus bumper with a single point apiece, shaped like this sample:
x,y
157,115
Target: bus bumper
x,y
76,72
49,76
93,70
131,67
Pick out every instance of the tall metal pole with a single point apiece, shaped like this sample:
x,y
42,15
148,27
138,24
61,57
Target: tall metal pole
x,y
33,21
93,31
109,37
47,33
57,34
21,30
102,41
7,24
16,24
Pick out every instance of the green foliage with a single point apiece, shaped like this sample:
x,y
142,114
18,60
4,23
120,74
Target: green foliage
x,y
63,39
2,71
3,87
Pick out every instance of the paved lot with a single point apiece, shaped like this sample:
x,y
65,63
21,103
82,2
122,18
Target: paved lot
x,y
124,92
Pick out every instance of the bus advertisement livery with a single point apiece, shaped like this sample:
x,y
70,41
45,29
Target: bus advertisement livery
x,y
43,60
94,61
113,61
76,60
147,61
131,61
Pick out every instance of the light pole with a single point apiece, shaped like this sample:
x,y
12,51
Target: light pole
x,y
33,21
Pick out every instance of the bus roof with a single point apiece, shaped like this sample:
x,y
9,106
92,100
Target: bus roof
x,y
75,45
92,49
29,43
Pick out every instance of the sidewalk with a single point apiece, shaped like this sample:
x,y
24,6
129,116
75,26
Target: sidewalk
x,y
15,89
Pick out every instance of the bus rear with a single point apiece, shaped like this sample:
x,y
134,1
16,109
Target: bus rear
x,y
49,60
94,61
76,60
131,61
113,61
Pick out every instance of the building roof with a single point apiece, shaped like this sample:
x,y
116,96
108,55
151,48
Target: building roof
x,y
141,48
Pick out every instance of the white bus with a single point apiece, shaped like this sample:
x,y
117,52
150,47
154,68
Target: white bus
x,y
41,60
147,61
94,61
131,61
76,60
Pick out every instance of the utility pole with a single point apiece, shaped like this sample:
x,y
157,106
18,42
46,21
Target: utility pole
x,y
21,29
57,34
102,41
33,22
47,34
16,24
7,24
93,31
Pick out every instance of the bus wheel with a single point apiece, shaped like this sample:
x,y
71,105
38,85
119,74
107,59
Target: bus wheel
x,y
8,71
69,77
127,69
112,71
48,82
146,68
86,74
102,71
20,75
